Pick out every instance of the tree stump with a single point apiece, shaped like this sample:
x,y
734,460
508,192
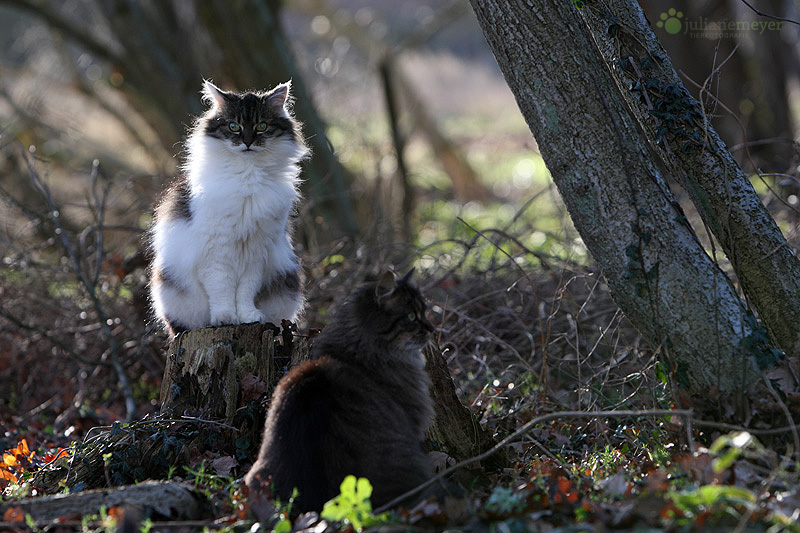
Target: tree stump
x,y
211,371
225,375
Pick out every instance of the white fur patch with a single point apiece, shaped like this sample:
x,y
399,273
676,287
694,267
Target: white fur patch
x,y
236,237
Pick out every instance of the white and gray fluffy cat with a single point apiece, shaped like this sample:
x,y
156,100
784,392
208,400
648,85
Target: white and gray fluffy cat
x,y
221,242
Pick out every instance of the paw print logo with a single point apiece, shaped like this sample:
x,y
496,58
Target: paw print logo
x,y
671,21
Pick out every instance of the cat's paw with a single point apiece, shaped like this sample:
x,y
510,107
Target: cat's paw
x,y
222,318
252,316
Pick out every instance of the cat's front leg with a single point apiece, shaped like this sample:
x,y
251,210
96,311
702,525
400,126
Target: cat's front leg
x,y
220,287
248,286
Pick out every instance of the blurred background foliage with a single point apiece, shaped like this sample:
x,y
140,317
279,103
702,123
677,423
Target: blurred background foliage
x,y
421,157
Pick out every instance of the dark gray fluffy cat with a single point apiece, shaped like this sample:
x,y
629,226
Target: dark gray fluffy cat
x,y
361,406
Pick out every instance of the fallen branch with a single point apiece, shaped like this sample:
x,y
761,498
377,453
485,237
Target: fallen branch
x,y
169,499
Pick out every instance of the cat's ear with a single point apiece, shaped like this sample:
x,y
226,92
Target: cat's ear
x,y
213,95
407,277
385,286
279,98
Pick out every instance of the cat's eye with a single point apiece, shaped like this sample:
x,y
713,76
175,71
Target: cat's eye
x,y
261,127
235,127
412,317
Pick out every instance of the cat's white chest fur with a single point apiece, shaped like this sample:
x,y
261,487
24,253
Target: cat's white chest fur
x,y
243,200
247,218
222,250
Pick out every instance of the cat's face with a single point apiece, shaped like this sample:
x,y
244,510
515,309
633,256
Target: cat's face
x,y
399,314
250,123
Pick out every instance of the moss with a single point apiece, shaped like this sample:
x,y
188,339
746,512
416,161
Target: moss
x,y
245,363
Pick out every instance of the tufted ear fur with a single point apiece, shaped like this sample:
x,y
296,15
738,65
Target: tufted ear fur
x,y
279,98
385,287
213,94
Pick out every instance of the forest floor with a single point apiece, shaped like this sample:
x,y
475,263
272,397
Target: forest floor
x,y
538,351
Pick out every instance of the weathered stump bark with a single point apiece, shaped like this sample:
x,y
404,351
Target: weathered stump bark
x,y
208,371
455,430
211,372
225,376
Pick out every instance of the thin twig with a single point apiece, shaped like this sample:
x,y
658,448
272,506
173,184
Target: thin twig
x,y
202,421
761,13
733,427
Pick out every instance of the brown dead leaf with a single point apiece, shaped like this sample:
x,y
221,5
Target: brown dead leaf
x,y
251,387
262,506
656,481
782,376
564,491
615,486
793,401
14,514
223,465
699,467
116,512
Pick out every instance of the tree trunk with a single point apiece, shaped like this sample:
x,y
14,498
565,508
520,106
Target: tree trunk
x,y
682,136
746,69
657,271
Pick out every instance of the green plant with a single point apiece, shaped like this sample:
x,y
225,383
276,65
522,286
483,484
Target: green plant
x,y
714,499
218,490
31,524
729,447
284,523
352,505
106,522
505,501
